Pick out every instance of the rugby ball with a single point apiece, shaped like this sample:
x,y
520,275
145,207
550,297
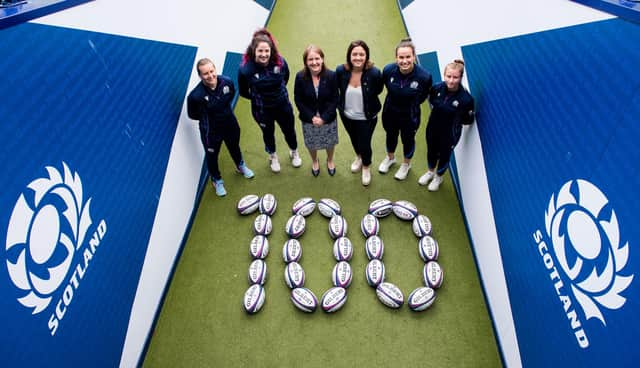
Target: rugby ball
x,y
268,204
259,247
342,275
374,247
342,249
292,251
304,206
333,299
248,204
294,275
304,299
258,272
295,226
405,210
433,274
381,207
254,299
428,248
421,298
369,225
262,225
390,295
421,226
328,207
374,272
337,227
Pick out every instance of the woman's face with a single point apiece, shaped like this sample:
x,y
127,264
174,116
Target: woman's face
x,y
405,59
263,53
358,57
207,73
314,62
452,78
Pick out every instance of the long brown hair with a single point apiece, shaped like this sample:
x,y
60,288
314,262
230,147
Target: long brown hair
x,y
367,63
305,54
262,35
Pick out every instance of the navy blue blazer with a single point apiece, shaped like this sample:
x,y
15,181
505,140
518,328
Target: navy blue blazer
x,y
371,82
324,104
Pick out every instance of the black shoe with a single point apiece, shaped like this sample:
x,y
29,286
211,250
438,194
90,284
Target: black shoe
x,y
332,172
315,172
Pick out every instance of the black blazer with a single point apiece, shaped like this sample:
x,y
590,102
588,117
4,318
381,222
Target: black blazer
x,y
372,85
324,104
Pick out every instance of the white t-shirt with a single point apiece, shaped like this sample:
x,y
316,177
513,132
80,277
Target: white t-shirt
x,y
353,106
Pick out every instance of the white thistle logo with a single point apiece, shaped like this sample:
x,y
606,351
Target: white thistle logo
x,y
43,235
586,241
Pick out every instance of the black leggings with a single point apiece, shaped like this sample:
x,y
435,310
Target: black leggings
x,y
212,143
405,128
360,132
266,118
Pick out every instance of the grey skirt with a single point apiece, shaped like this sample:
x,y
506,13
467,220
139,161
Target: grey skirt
x,y
320,137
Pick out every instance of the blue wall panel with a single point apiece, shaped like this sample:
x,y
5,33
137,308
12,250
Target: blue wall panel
x,y
557,117
106,108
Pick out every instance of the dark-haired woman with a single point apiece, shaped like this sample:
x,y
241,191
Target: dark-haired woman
x,y
360,84
316,97
408,86
451,107
262,78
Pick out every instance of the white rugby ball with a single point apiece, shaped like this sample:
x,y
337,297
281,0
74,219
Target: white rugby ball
x,y
259,247
390,295
258,272
405,210
433,274
248,204
337,227
294,275
292,251
333,299
374,272
369,225
254,299
342,249
342,275
421,226
304,206
304,299
374,247
268,204
295,226
421,298
328,207
262,225
428,248
381,207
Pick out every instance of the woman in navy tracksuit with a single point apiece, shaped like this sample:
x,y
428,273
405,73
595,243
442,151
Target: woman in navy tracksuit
x,y
263,78
360,84
316,97
210,103
451,107
408,86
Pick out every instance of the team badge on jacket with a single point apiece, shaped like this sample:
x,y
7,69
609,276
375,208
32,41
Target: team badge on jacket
x,y
276,69
225,90
413,85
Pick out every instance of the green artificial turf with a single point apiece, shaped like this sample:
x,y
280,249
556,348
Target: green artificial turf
x,y
203,323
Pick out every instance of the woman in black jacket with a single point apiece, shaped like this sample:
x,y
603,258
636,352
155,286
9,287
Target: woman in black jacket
x,y
316,97
360,83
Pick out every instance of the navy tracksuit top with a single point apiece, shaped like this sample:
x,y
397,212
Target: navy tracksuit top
x,y
405,93
265,86
449,111
212,108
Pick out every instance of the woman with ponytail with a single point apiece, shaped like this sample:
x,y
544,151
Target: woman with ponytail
x,y
262,78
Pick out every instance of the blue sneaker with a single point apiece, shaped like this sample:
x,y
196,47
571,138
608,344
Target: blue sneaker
x,y
218,185
244,170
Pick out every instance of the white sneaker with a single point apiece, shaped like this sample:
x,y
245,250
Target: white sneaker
x,y
424,179
296,161
386,164
366,176
402,172
274,163
435,183
356,165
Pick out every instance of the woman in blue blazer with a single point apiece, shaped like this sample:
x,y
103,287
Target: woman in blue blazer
x,y
316,97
